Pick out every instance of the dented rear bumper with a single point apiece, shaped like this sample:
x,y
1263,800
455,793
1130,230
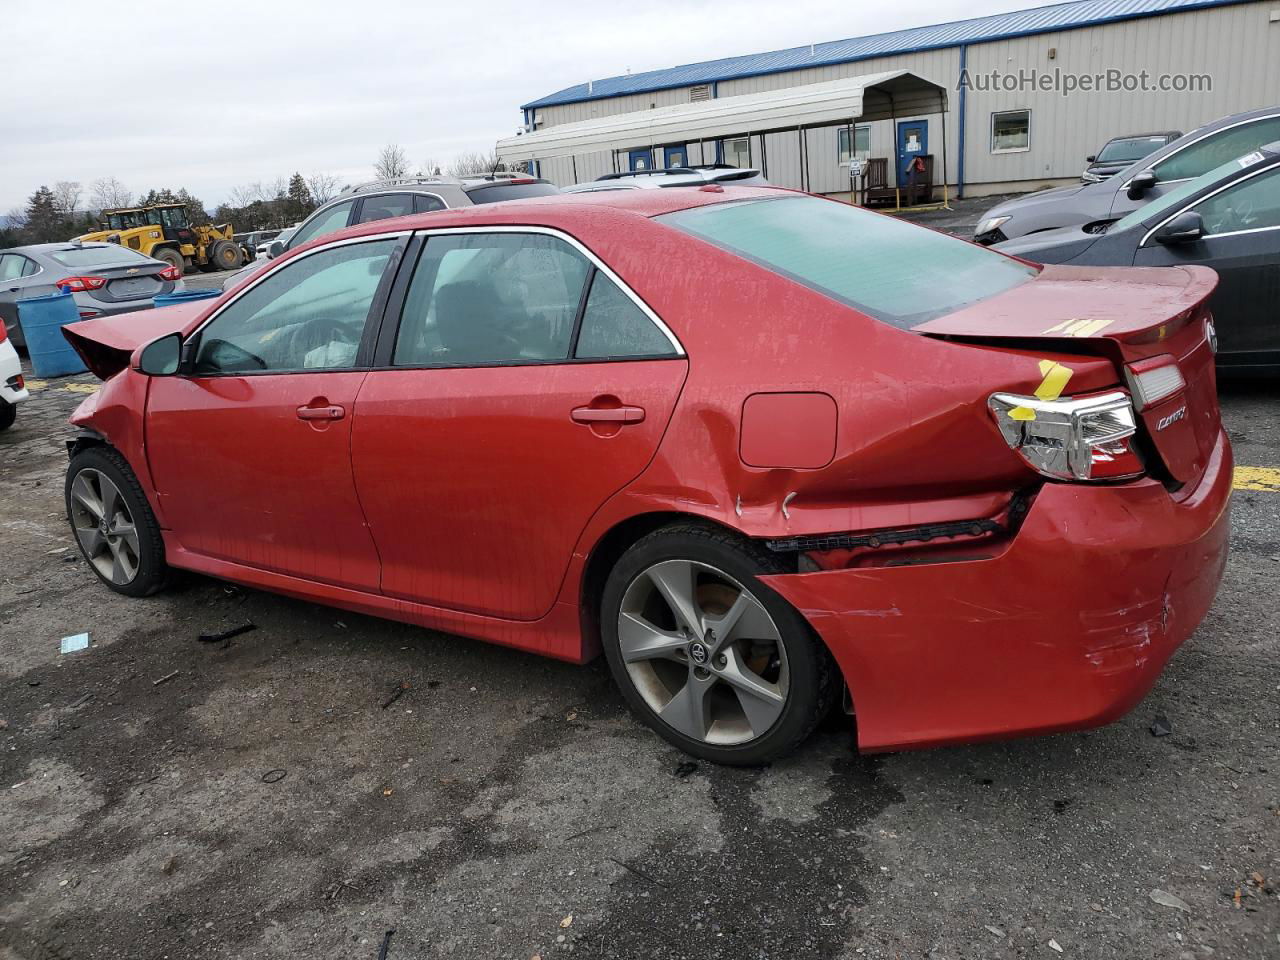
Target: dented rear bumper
x,y
1067,628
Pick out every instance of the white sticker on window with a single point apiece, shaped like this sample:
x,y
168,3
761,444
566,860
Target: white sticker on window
x,y
1249,159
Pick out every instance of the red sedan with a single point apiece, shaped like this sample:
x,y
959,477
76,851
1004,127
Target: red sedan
x,y
766,451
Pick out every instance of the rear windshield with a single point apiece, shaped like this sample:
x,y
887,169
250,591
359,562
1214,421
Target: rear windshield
x,y
492,193
885,267
108,256
1130,149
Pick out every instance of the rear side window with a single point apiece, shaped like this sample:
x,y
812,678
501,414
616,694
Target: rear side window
x,y
385,207
1217,148
422,203
614,326
887,268
499,190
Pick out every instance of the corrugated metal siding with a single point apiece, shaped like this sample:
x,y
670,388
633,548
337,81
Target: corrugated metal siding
x,y
981,29
572,112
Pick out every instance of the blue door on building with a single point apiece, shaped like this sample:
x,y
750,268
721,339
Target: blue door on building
x,y
641,160
913,141
675,156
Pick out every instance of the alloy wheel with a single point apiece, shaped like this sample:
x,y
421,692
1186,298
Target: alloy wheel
x,y
703,652
104,526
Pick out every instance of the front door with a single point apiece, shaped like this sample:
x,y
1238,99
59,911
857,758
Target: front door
x,y
913,141
641,160
250,451
675,156
505,421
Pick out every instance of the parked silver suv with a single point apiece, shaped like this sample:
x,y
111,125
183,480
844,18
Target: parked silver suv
x,y
382,199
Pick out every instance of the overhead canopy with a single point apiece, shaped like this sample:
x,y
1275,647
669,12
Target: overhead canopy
x,y
877,96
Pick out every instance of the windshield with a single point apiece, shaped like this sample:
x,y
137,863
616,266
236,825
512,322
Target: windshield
x,y
1179,194
1130,149
887,268
109,255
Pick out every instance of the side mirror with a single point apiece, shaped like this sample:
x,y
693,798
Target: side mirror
x,y
1090,159
1141,183
276,248
161,358
1186,227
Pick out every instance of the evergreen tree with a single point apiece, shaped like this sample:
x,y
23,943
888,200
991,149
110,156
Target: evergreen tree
x,y
44,222
298,202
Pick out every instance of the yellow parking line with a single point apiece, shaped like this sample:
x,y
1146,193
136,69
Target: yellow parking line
x,y
81,387
1257,478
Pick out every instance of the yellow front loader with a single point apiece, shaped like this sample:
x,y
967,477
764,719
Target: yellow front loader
x,y
163,231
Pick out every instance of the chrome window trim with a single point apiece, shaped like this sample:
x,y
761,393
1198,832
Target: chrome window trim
x,y
582,249
1210,196
1186,146
264,274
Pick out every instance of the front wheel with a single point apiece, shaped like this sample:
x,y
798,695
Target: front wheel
x,y
113,523
706,654
8,413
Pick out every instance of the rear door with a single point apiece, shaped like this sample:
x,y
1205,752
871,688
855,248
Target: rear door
x,y
518,386
1242,243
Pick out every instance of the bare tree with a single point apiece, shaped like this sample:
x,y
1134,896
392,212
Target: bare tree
x,y
106,193
323,187
16,218
66,196
392,163
469,164
430,168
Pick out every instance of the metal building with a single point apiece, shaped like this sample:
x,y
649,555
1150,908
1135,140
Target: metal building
x,y
1006,116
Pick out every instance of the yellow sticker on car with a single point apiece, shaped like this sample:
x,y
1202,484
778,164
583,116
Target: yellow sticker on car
x,y
1055,380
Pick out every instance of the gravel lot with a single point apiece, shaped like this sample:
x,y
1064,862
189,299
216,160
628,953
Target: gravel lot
x,y
164,797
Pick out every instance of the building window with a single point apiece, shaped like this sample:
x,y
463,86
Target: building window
x,y
1011,131
861,144
736,152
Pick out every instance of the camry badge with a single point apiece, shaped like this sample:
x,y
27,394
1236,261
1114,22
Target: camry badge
x,y
1171,419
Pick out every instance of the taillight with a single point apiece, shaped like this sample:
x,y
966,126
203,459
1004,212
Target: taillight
x,y
1087,438
82,284
169,274
1153,380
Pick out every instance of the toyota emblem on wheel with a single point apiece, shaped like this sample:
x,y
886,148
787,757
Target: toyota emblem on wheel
x,y
698,653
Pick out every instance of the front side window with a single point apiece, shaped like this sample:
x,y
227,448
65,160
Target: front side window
x,y
1218,148
1252,204
1176,197
861,144
613,326
1011,131
308,315
491,298
326,221
385,207
884,267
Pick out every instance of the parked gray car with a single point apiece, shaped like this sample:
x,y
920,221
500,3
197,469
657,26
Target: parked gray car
x,y
697,175
1184,159
383,199
1119,152
104,278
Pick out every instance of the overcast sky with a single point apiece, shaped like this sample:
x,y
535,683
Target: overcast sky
x,y
211,96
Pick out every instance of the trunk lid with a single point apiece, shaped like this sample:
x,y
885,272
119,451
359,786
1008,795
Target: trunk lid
x,y
1126,315
126,283
107,343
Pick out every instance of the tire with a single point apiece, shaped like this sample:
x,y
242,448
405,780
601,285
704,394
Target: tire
x,y
8,413
172,257
225,255
666,673
131,563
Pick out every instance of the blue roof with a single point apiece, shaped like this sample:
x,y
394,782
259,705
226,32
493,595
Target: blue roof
x,y
1060,16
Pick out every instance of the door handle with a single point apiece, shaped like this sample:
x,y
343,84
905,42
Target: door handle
x,y
607,414
330,412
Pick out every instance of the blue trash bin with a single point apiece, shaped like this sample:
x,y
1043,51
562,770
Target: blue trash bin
x,y
185,296
42,319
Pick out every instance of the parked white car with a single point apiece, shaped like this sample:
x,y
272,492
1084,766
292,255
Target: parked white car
x,y
13,389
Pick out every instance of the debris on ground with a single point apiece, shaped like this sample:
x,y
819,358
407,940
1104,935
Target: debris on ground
x,y
165,679
170,866
685,768
399,692
1169,900
567,921
1060,806
386,944
225,636
77,641
1054,945
994,930
274,776
1160,726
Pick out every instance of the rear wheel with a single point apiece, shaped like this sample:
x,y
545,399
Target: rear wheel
x,y
113,523
8,413
170,256
706,654
225,255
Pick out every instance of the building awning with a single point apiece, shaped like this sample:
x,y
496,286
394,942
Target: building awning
x,y
877,96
